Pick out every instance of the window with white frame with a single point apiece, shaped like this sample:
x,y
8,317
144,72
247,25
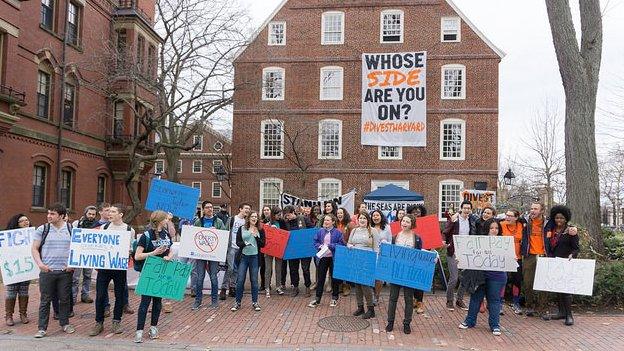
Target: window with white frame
x,y
198,141
272,139
159,166
330,139
329,188
197,166
277,33
332,31
453,81
391,30
390,153
452,139
216,189
179,168
331,83
273,83
197,185
450,31
216,164
270,190
217,146
450,196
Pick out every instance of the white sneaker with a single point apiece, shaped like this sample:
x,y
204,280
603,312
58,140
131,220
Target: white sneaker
x,y
153,333
313,303
138,336
256,306
268,293
463,325
496,332
333,303
40,334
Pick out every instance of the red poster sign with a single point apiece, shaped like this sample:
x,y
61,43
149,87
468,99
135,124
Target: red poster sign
x,y
276,241
427,227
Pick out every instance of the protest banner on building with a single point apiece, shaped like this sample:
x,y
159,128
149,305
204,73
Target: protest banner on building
x,y
346,200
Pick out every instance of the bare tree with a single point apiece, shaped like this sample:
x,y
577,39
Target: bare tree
x,y
579,69
612,181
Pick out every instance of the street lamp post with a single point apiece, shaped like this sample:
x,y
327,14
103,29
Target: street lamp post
x,y
509,177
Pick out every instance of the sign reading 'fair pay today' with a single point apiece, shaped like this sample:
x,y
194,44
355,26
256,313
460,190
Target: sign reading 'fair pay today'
x,y
485,253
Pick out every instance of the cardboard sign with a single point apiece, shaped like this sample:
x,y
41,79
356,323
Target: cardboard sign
x,y
99,249
561,275
16,261
165,279
406,266
486,253
208,244
355,265
479,198
276,241
300,244
181,200
394,99
428,228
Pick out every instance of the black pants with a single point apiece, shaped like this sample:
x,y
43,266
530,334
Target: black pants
x,y
144,306
284,272
418,295
104,276
55,303
326,264
294,271
262,269
408,295
55,283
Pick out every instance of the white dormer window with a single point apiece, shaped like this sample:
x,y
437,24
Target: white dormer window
x,y
450,29
277,33
332,31
391,26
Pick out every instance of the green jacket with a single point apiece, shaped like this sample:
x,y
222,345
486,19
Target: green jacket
x,y
216,222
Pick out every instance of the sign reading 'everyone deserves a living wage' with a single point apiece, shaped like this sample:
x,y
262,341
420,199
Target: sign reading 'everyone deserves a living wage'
x,y
485,253
276,241
181,200
355,265
165,279
406,266
394,99
562,275
208,244
99,249
16,261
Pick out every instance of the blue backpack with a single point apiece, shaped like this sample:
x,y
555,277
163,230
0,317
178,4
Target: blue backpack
x,y
138,265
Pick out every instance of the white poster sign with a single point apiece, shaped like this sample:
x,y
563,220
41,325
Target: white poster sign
x,y
208,244
390,208
486,253
346,200
99,249
394,99
16,261
561,275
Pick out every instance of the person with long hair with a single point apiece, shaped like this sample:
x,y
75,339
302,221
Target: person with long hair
x,y
326,240
380,222
364,237
511,226
274,220
344,225
265,217
418,211
156,241
17,292
399,215
329,207
250,239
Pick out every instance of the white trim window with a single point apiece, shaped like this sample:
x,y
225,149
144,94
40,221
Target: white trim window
x,y
332,28
452,139
332,80
197,166
218,146
330,139
159,166
390,153
453,82
449,195
216,189
215,165
179,168
391,26
450,29
197,185
270,191
277,33
273,83
271,139
329,188
198,141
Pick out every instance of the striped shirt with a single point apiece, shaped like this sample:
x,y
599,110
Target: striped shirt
x,y
55,249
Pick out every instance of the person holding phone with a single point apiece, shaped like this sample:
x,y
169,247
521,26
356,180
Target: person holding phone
x,y
249,238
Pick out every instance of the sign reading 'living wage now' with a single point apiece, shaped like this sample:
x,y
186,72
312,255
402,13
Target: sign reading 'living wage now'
x,y
99,249
406,266
355,265
181,200
16,261
565,276
208,244
166,279
485,253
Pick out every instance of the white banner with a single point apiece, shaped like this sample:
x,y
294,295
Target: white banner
x,y
16,261
208,244
390,208
394,99
486,253
565,276
346,200
99,249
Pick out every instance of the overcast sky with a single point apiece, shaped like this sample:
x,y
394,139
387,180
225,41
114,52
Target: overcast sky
x,y
529,75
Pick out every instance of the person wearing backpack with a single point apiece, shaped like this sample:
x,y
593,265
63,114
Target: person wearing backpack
x,y
231,274
154,242
104,276
50,251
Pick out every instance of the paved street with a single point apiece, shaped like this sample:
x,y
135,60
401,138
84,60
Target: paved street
x,y
286,323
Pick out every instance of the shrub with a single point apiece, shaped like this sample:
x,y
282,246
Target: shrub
x,y
608,285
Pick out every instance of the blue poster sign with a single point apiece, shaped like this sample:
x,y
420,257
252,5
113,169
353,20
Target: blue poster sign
x,y
181,200
355,265
301,244
405,266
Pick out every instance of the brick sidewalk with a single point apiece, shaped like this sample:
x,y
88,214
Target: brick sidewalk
x,y
286,323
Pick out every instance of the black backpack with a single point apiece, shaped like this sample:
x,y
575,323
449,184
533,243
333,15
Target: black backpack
x,y
46,231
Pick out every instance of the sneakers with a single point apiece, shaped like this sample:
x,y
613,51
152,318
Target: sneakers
x,y
128,310
107,312
516,309
116,328
97,329
196,306
153,333
496,332
313,286
86,299
268,293
40,334
295,292
214,305
138,336
256,306
420,307
450,306
461,305
236,307
69,329
222,295
280,290
463,325
333,303
407,329
314,303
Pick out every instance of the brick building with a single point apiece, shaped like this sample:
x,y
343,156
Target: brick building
x,y
74,77
297,107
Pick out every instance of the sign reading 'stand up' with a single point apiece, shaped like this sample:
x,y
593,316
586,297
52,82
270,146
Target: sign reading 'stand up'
x,y
485,253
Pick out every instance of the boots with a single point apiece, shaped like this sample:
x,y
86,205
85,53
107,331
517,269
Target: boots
x,y
370,313
359,311
567,302
9,307
23,309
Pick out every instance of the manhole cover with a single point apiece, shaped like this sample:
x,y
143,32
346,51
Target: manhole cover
x,y
343,323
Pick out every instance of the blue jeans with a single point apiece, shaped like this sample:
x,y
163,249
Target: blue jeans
x,y
491,290
250,262
200,271
190,261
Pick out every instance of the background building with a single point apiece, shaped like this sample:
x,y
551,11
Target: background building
x,y
297,107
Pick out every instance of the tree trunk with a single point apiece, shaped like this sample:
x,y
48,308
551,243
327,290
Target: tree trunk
x,y
137,206
172,157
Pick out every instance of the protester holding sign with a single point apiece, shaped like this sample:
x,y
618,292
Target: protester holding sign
x,y
367,238
491,288
273,220
87,220
344,225
229,279
380,222
533,245
325,242
249,238
154,242
418,211
18,291
294,222
513,227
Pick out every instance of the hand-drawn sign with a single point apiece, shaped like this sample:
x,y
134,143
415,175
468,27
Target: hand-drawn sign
x,y
208,244
206,241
